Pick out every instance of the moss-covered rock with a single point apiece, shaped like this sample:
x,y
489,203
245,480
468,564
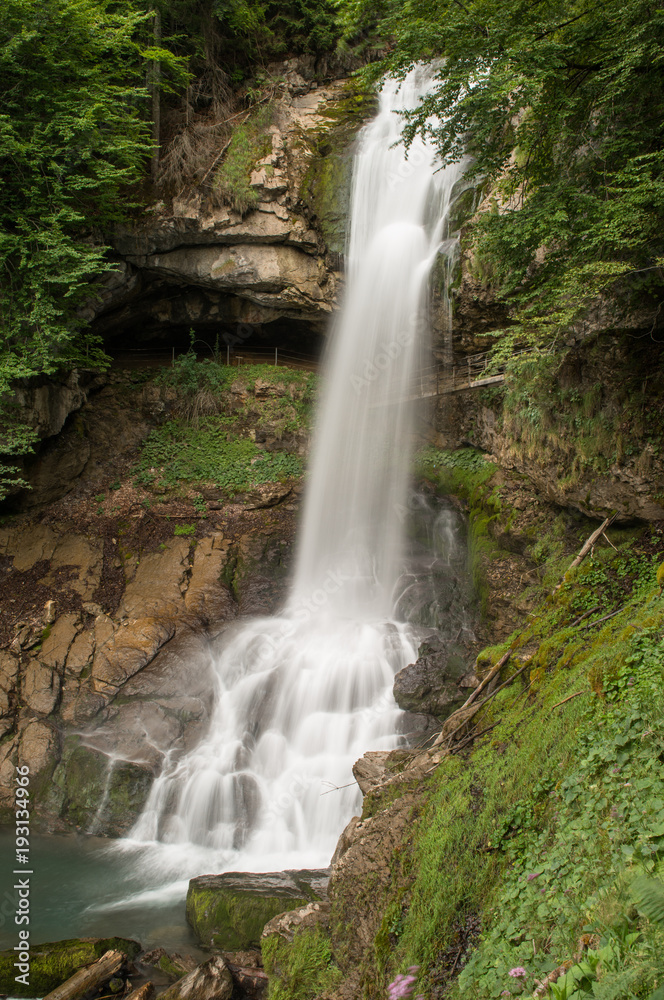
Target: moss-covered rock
x,y
326,192
229,911
52,964
97,794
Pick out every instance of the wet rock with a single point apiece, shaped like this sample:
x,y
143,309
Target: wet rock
x,y
156,590
170,963
433,684
55,646
229,911
285,925
246,968
8,677
96,793
54,963
40,688
129,649
208,599
81,652
39,749
210,981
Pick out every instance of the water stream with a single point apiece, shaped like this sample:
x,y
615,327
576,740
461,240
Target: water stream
x,y
300,696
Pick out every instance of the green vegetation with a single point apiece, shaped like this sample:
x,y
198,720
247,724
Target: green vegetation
x,y
53,963
74,133
211,440
210,453
542,850
302,969
561,106
250,142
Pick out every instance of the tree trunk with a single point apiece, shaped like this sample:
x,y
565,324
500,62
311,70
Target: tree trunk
x,y
156,99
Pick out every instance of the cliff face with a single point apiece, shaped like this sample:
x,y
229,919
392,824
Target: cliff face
x,y
265,272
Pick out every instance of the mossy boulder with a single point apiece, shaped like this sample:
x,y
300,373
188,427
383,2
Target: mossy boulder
x,y
96,794
52,964
229,911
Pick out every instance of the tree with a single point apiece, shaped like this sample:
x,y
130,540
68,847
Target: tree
x,y
74,133
561,105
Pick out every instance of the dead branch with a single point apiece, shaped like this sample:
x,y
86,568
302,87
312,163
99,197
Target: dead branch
x,y
569,698
90,978
586,547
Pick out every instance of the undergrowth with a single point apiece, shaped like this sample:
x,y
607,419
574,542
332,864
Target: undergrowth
x,y
223,415
542,833
533,864
249,143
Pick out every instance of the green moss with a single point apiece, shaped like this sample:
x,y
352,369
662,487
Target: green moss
x,y
81,782
301,970
223,917
52,964
326,192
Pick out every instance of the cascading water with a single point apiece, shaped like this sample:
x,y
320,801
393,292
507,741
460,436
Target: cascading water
x,y
302,695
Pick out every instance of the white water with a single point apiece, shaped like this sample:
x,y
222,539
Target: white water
x,y
299,697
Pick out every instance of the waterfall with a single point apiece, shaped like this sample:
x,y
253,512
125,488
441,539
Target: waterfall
x,y
300,696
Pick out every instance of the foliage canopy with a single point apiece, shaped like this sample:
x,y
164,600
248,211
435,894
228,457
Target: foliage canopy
x,y
561,106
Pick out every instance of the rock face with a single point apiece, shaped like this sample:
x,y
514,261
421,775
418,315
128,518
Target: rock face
x,y
80,688
190,261
229,911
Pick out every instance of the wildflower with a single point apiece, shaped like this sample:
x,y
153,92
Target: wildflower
x,y
533,875
402,986
518,972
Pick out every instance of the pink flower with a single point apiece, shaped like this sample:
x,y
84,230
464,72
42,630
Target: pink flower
x,y
533,875
519,971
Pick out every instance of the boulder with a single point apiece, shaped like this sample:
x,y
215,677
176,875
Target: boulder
x,y
229,911
247,971
435,684
369,770
210,981
52,964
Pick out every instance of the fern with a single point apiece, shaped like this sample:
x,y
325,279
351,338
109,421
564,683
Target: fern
x,y
649,894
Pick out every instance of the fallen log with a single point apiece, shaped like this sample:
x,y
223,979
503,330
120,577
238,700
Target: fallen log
x,y
90,978
586,547
144,992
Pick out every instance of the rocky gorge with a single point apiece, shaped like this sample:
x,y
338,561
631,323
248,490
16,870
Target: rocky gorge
x,y
117,584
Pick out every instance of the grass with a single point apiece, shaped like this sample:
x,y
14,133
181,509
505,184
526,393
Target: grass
x,y
211,439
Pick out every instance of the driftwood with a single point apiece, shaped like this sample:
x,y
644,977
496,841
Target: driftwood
x,y
144,992
586,547
89,978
